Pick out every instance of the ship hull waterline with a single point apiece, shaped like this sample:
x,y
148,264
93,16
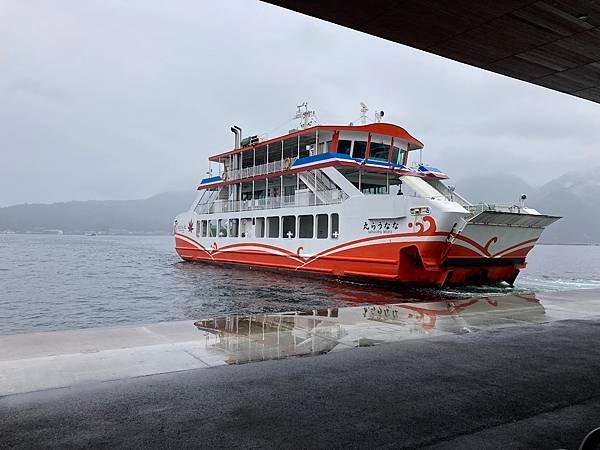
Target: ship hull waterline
x,y
383,263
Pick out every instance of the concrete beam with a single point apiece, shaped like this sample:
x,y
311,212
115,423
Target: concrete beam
x,y
554,44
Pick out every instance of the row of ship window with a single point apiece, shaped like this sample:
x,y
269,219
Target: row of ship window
x,y
378,150
307,226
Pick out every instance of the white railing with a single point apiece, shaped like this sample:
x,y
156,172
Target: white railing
x,y
330,197
481,207
262,169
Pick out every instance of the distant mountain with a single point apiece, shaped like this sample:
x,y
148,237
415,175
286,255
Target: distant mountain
x,y
574,196
153,215
496,188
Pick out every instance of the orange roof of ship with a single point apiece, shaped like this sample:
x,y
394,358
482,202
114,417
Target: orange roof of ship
x,y
387,129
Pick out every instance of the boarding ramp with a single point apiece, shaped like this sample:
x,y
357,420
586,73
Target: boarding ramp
x,y
512,216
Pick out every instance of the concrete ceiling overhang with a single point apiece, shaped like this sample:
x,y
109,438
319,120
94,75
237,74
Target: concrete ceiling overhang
x,y
555,44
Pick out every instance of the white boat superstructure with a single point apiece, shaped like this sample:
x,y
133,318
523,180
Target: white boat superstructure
x,y
343,201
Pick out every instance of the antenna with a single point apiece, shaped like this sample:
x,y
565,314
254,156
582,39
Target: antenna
x,y
363,113
306,117
522,200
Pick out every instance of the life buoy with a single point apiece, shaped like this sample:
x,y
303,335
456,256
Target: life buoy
x,y
287,163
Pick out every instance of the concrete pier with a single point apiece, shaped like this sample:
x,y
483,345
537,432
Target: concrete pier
x,y
516,371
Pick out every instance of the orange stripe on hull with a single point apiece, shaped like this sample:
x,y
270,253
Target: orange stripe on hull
x,y
391,262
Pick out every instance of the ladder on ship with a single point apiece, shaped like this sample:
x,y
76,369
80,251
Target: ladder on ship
x,y
319,184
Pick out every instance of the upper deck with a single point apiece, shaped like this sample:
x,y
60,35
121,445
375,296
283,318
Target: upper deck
x,y
380,147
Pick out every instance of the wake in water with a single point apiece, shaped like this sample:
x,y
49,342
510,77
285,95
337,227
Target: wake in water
x,y
546,283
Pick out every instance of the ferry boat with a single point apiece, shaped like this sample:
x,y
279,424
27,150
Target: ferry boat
x,y
343,201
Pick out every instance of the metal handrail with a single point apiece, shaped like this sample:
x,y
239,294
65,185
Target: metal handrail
x,y
329,197
498,207
262,169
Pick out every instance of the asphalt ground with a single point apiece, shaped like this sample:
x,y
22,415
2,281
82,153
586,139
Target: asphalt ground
x,y
531,386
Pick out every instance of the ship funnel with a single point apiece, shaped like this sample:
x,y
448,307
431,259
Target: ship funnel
x,y
238,135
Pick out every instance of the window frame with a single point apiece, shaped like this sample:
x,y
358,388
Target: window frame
x,y
263,228
220,227
326,235
269,221
335,229
354,149
312,228
349,148
236,227
290,219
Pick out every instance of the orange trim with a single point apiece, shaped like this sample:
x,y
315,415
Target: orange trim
x,y
430,231
405,158
370,275
278,265
358,258
334,141
183,237
357,262
515,246
318,269
257,244
368,151
475,244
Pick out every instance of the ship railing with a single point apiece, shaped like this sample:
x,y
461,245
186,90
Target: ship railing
x,y
498,207
330,197
261,169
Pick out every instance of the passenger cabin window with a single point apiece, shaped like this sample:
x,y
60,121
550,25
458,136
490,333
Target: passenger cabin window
x,y
304,151
289,190
344,146
260,227
324,147
360,149
401,157
374,189
306,225
222,227
395,155
289,227
212,229
204,228
379,151
322,226
246,227
335,226
234,227
273,227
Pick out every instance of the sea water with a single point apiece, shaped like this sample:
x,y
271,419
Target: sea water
x,y
50,282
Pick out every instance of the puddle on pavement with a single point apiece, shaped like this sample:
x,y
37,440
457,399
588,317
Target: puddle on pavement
x,y
243,339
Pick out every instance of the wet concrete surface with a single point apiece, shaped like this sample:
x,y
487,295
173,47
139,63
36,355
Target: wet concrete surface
x,y
512,372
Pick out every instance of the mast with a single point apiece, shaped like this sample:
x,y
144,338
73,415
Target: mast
x,y
305,116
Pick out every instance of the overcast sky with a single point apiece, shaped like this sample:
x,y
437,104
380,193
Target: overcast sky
x,y
120,99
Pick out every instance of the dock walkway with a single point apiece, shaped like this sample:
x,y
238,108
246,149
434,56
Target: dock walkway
x,y
519,385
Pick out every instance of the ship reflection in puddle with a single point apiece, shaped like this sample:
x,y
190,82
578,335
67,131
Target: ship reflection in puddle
x,y
242,339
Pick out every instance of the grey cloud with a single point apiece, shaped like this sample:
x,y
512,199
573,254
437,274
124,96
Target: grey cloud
x,y
119,99
37,88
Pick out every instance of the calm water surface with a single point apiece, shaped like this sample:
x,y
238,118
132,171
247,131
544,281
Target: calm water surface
x,y
60,282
